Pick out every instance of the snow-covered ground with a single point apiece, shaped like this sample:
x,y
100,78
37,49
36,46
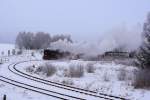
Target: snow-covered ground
x,y
5,47
15,93
12,92
108,77
4,70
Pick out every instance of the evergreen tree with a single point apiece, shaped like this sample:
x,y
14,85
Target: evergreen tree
x,y
143,56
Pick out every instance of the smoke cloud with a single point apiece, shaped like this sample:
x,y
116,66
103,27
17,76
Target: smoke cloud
x,y
128,38
118,37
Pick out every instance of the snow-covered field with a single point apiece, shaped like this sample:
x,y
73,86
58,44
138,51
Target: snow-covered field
x,y
5,47
15,93
108,77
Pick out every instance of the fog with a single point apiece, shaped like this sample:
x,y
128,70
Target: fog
x,y
84,20
129,38
93,25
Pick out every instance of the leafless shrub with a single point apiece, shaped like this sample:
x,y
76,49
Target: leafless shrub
x,y
88,86
90,68
66,72
47,69
75,71
30,69
142,78
39,69
106,77
19,52
67,82
50,69
29,40
122,74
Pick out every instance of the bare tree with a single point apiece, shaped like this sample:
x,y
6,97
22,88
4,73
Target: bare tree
x,y
28,40
25,40
61,37
19,40
41,40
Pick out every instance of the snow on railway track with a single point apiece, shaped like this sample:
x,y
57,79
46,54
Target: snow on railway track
x,y
73,91
29,87
68,93
33,86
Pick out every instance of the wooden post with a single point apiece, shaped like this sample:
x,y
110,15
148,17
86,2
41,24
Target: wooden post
x,y
8,52
4,98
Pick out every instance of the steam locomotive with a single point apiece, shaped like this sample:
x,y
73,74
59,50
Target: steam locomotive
x,y
54,54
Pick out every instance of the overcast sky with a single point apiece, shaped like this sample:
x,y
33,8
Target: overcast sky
x,y
83,19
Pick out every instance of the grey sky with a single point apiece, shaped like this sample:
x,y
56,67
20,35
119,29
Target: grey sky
x,y
83,19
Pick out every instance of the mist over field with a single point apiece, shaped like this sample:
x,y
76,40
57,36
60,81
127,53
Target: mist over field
x,y
118,37
93,27
90,21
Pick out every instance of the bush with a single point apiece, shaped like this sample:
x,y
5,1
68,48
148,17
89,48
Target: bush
x,y
142,78
90,68
67,82
75,71
30,69
13,52
50,69
19,52
47,69
122,74
65,72
106,77
39,69
30,40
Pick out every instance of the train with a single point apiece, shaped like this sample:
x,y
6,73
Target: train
x,y
57,54
54,54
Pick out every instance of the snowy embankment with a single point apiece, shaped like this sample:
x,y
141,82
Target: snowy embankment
x,y
108,78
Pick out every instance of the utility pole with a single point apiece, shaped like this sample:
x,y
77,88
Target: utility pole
x,y
4,98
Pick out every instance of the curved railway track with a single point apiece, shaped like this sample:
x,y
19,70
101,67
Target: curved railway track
x,y
38,89
59,85
70,92
15,83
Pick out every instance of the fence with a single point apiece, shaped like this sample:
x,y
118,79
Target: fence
x,y
3,60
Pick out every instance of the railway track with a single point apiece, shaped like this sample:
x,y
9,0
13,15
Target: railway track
x,y
28,87
47,92
59,85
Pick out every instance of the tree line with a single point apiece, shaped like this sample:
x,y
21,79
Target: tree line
x,y
39,40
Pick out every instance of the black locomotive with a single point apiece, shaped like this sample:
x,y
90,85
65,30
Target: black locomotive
x,y
54,54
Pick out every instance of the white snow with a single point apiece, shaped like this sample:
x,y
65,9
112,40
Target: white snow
x,y
103,80
5,47
15,93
